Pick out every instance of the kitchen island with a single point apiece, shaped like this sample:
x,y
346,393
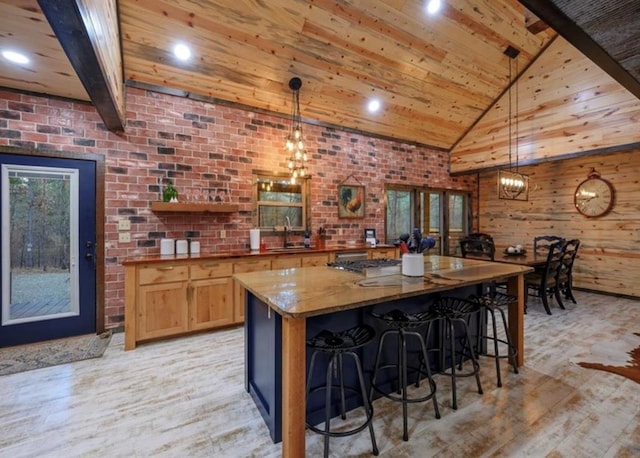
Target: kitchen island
x,y
279,303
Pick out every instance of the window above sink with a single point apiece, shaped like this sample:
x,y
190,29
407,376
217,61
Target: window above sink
x,y
280,202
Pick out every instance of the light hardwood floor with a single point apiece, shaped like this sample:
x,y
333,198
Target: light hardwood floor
x,y
185,398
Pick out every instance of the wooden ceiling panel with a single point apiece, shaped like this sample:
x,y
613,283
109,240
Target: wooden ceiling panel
x,y
566,105
434,75
24,28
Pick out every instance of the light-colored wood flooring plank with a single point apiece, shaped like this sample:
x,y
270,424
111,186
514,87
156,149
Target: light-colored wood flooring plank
x,y
185,397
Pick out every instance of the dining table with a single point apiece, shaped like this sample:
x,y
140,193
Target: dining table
x,y
527,258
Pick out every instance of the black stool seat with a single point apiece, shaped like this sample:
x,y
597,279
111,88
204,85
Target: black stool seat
x,y
491,302
350,339
458,311
337,345
402,325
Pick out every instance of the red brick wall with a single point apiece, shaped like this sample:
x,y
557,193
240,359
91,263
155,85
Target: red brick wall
x,y
202,145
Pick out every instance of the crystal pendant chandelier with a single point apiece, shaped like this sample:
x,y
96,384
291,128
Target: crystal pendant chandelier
x,y
513,185
294,144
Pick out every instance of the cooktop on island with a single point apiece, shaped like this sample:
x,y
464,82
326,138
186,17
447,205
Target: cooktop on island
x,y
362,266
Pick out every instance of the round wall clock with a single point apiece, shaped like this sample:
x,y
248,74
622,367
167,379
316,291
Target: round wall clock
x,y
594,196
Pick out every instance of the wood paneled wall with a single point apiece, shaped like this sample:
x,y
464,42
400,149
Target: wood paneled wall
x,y
566,105
609,257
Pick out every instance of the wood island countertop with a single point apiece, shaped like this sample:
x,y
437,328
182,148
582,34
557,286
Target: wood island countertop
x,y
310,291
299,294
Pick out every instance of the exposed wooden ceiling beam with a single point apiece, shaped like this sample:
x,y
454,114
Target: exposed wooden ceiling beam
x,y
574,34
533,23
80,42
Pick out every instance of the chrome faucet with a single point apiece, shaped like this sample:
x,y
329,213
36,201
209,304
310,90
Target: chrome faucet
x,y
287,228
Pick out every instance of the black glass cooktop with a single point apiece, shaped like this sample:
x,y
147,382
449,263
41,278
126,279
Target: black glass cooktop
x,y
360,265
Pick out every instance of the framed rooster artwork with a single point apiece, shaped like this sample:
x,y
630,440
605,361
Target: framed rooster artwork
x,y
350,201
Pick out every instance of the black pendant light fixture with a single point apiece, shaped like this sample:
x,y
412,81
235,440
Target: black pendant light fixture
x,y
512,184
294,144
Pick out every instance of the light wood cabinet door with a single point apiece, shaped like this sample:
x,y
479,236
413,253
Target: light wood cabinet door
x,y
211,303
254,265
162,310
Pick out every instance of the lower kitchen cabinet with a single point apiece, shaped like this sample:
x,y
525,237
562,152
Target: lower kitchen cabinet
x,y
211,303
165,298
162,310
210,295
161,297
169,299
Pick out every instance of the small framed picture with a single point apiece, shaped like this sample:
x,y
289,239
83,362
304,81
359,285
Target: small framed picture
x,y
351,200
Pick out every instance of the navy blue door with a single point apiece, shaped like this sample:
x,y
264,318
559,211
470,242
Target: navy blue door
x,y
48,248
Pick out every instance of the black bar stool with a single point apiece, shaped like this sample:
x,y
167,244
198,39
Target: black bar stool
x,y
337,345
455,340
402,325
491,302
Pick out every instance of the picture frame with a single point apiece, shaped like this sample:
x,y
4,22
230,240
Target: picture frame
x,y
351,201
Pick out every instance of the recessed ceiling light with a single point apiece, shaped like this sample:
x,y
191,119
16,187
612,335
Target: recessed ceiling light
x,y
182,52
15,57
433,6
373,105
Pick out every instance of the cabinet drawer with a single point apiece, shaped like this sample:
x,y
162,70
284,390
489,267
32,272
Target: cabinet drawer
x,y
285,262
251,266
320,259
211,269
381,253
162,274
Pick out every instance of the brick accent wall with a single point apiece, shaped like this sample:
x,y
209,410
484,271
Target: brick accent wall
x,y
200,145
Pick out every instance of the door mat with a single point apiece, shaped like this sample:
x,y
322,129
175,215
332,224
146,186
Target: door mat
x,y
51,353
620,357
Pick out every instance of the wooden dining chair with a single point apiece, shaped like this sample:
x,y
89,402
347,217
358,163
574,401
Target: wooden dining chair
x,y
544,283
479,248
565,280
542,243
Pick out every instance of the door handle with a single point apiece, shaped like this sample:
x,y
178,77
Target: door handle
x,y
90,255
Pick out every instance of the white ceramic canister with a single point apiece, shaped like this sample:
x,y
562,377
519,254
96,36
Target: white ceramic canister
x,y
413,264
182,247
195,247
167,247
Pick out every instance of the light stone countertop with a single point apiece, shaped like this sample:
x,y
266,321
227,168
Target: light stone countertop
x,y
310,291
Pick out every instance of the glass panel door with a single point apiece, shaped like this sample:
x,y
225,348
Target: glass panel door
x,y
442,214
40,246
48,270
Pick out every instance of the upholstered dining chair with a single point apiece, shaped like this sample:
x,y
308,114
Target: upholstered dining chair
x,y
544,283
565,280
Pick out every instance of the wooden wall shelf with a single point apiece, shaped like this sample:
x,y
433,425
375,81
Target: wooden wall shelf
x,y
187,207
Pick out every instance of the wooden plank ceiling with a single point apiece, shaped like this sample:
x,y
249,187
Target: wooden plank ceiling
x,y
434,75
606,31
